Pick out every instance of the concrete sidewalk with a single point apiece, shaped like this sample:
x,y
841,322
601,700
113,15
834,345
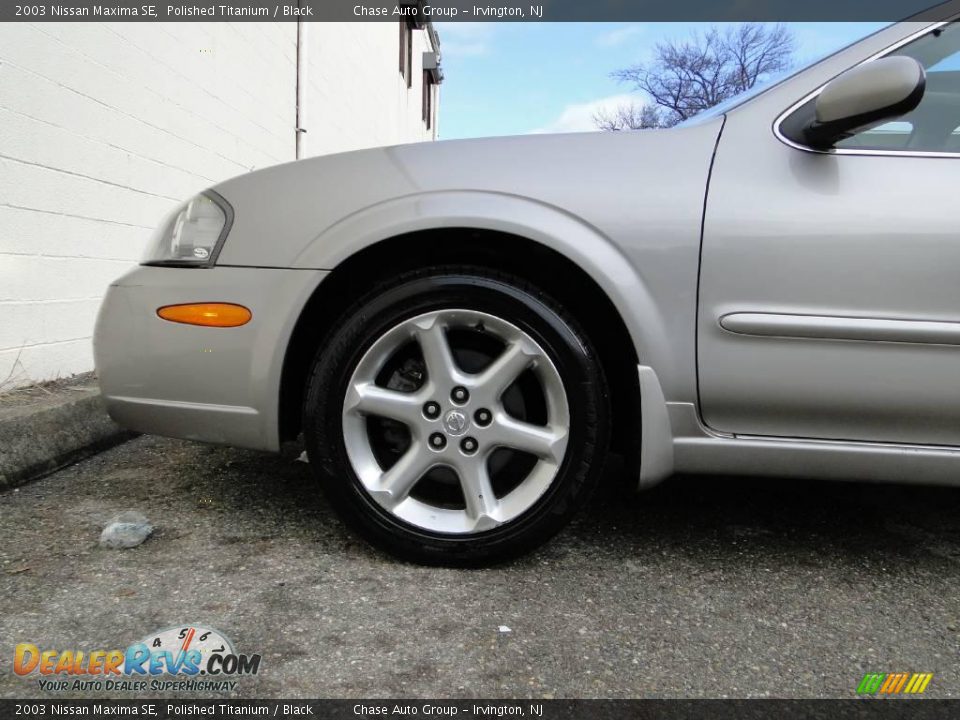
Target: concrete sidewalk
x,y
45,427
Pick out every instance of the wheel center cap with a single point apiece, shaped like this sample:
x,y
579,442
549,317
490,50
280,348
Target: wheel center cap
x,y
455,423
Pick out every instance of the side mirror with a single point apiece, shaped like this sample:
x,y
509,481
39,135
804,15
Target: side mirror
x,y
864,97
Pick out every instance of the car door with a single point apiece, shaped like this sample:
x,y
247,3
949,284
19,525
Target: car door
x,y
829,302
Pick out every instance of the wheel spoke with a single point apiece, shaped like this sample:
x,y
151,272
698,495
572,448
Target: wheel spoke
x,y
396,483
505,369
478,493
436,351
456,419
371,399
547,442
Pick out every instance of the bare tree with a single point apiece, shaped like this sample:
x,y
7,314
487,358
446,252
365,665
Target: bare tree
x,y
629,116
690,76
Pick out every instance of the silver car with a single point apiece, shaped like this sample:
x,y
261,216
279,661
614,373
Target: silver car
x,y
460,332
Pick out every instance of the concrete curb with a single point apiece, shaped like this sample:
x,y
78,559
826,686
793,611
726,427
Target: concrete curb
x,y
41,432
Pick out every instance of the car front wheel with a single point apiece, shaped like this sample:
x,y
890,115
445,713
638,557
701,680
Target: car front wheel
x,y
457,416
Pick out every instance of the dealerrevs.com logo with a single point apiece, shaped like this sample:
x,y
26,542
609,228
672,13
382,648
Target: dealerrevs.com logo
x,y
187,658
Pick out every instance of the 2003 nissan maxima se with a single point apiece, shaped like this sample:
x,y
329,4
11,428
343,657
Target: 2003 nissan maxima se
x,y
461,331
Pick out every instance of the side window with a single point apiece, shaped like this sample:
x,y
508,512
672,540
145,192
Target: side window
x,y
427,109
406,51
935,125
894,135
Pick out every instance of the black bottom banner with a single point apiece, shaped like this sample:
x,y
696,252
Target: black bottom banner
x,y
533,709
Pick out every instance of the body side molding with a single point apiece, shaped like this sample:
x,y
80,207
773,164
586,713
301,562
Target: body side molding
x,y
824,327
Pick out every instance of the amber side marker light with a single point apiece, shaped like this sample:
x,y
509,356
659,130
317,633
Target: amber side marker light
x,y
207,314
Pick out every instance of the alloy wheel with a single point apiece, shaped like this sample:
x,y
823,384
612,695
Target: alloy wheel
x,y
455,421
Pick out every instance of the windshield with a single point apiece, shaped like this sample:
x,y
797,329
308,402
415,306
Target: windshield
x,y
765,84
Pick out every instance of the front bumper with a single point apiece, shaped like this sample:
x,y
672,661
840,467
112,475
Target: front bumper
x,y
219,385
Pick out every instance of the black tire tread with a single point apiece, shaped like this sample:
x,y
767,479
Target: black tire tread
x,y
343,338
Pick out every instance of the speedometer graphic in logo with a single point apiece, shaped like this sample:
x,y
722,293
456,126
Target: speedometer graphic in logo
x,y
183,639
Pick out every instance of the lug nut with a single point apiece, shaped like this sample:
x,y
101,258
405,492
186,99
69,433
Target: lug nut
x,y
438,441
483,417
431,410
469,445
459,395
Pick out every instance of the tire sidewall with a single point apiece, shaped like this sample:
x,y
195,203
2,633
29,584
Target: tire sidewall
x,y
537,316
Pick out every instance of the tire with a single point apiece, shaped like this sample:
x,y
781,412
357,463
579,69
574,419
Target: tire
x,y
465,456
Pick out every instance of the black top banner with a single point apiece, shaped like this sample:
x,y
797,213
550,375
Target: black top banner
x,y
421,11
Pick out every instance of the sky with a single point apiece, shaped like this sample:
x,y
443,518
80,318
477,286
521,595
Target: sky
x,y
517,78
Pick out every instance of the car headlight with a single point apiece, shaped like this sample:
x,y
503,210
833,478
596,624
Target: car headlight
x,y
192,234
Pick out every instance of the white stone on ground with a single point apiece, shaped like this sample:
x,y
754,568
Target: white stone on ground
x,y
126,530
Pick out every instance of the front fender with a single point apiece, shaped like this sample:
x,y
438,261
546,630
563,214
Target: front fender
x,y
577,240
625,207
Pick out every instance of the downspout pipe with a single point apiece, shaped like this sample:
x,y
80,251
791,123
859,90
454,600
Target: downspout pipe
x,y
301,119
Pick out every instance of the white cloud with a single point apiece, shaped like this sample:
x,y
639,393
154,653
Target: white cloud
x,y
465,39
578,117
619,35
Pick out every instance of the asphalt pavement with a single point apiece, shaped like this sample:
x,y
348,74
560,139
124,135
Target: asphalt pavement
x,y
709,587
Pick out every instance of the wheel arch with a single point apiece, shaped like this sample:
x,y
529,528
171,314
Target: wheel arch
x,y
570,260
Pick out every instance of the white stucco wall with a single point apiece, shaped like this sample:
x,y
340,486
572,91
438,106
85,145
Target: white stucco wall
x,y
103,127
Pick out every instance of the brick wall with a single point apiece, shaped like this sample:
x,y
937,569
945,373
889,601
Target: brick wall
x,y
104,127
